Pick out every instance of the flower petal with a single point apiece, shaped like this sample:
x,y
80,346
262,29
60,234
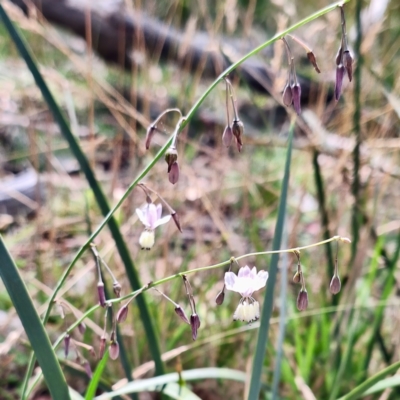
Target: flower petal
x,y
152,215
230,280
244,271
159,210
143,217
260,280
162,221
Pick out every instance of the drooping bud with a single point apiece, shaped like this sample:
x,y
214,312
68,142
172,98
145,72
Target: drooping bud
x,y
339,81
171,156
101,294
102,347
220,297
296,93
87,368
313,60
237,131
114,350
227,136
335,284
175,217
82,328
149,135
287,96
181,314
297,277
67,340
348,63
146,239
173,173
302,300
339,56
345,240
122,314
117,288
195,324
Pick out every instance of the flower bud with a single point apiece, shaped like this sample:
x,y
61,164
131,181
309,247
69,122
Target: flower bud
x,y
173,173
220,297
296,93
82,328
227,136
114,350
117,289
195,324
348,63
101,294
122,314
181,314
302,300
311,57
339,81
175,217
67,340
339,56
149,135
146,239
237,131
335,284
102,347
87,368
171,156
287,97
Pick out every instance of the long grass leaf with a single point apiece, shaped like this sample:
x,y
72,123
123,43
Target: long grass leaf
x,y
262,339
94,383
33,326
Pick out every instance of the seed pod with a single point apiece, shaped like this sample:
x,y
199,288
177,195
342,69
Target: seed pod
x,y
149,135
313,60
181,314
171,156
173,173
335,284
339,81
296,93
237,130
287,96
302,300
101,294
122,314
220,297
195,324
227,136
348,63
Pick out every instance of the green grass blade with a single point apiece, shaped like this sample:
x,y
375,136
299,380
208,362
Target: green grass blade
x,y
175,391
262,339
156,383
98,193
91,390
33,326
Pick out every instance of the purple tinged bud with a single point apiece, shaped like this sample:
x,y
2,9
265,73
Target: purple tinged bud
x,y
122,314
102,347
181,314
149,135
175,217
237,130
287,97
313,60
348,63
220,297
195,324
101,293
227,136
302,300
339,81
173,173
335,285
87,368
339,56
117,289
67,340
171,156
82,328
296,93
114,350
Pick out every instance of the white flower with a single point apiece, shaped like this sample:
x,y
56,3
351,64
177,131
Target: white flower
x,y
150,216
246,283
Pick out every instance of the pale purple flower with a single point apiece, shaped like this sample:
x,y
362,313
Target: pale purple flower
x,y
150,216
246,283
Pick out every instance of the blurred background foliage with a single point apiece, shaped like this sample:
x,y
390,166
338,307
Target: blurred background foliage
x,y
227,201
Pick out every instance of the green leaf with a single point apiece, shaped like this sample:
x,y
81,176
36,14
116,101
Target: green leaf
x,y
157,383
91,390
33,326
178,392
262,339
